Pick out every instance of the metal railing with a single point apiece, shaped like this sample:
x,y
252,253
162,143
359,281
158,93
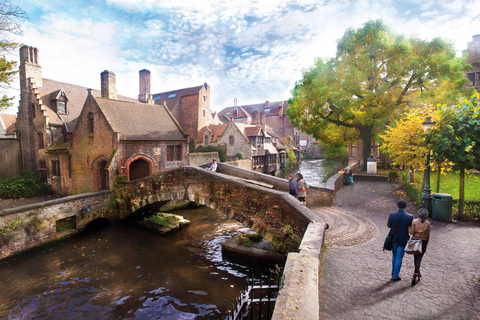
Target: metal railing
x,y
256,301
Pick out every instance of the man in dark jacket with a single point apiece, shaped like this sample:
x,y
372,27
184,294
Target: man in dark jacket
x,y
292,186
399,222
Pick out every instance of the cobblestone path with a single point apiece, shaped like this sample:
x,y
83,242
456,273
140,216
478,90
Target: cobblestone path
x,y
355,279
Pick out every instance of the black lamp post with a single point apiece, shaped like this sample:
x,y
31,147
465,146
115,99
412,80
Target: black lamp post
x,y
427,192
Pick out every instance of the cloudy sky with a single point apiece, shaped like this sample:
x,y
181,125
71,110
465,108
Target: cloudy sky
x,y
252,50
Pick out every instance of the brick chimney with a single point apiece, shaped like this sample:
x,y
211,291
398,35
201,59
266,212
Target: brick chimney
x,y
144,93
29,66
109,89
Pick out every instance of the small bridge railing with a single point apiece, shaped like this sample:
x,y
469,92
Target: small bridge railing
x,y
256,301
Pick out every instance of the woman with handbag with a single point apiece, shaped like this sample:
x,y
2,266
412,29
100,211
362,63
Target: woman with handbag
x,y
420,230
302,189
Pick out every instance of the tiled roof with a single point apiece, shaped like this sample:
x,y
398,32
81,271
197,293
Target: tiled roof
x,y
234,112
216,130
138,121
76,99
272,109
9,121
223,119
270,147
171,98
253,131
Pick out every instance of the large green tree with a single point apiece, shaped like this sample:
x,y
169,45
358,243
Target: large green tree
x,y
374,75
456,138
10,17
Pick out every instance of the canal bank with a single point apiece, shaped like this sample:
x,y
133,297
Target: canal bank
x,y
123,271
310,248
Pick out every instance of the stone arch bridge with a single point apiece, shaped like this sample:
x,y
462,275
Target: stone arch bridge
x,y
257,200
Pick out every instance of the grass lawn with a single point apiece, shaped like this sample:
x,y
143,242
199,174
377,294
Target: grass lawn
x,y
449,183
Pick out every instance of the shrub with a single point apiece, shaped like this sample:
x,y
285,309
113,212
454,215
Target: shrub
x,y
393,176
26,185
161,219
254,236
222,151
244,241
240,155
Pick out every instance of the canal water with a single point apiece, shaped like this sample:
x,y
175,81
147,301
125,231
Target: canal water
x,y
312,170
121,272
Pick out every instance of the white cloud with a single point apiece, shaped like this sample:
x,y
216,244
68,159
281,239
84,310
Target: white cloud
x,y
247,49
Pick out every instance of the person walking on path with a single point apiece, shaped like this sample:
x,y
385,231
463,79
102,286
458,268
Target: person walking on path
x,y
302,189
420,230
292,186
213,167
399,222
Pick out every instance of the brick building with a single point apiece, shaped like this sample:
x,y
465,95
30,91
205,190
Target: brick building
x,y
472,55
190,106
252,140
121,138
79,139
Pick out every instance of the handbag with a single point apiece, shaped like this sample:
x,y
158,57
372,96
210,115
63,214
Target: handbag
x,y
388,243
414,246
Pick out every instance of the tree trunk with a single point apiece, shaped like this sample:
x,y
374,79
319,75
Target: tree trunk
x,y
438,179
461,193
366,137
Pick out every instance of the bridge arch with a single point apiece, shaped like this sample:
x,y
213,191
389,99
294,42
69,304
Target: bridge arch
x,y
96,224
139,167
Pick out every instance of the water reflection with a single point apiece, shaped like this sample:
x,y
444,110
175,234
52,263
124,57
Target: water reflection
x,y
125,273
312,170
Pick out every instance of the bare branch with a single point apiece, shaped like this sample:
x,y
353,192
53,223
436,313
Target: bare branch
x,y
10,17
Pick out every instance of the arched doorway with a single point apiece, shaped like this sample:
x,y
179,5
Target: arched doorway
x,y
138,169
103,175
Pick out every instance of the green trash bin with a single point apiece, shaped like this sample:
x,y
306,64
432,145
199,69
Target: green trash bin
x,y
442,207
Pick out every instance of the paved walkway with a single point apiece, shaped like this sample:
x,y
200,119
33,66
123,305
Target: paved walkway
x,y
356,276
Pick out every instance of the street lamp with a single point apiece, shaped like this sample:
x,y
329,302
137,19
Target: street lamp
x,y
427,192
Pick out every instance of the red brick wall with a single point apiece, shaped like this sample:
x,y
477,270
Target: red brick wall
x,y
10,159
88,148
189,110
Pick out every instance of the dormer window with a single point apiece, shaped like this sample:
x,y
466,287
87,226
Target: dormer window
x,y
59,101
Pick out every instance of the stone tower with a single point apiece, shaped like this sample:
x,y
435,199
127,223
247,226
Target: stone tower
x,y
29,112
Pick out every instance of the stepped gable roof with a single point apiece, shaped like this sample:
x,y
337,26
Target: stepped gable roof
x,y
8,122
76,99
216,130
139,121
171,98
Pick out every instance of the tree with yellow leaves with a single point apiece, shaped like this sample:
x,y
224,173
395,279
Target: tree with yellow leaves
x,y
403,141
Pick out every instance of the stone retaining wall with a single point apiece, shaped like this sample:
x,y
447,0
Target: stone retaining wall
x,y
37,224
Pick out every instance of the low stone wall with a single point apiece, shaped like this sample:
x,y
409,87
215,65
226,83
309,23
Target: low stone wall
x,y
202,158
29,226
299,297
242,164
316,196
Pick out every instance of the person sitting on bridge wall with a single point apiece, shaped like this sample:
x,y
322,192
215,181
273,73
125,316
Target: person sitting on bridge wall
x,y
213,167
